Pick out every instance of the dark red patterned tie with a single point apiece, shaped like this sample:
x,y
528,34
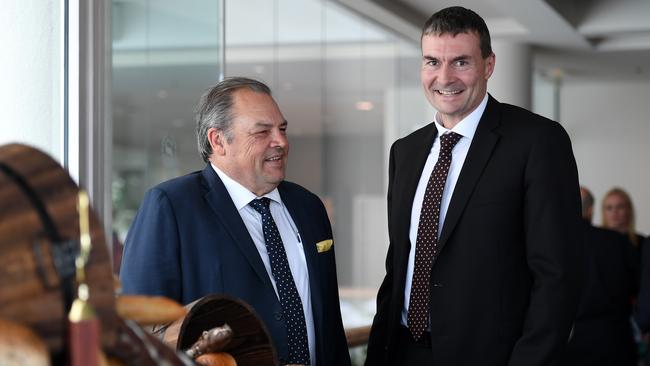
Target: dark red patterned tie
x,y
426,242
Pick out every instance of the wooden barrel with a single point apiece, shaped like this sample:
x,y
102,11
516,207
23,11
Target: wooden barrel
x,y
251,344
39,232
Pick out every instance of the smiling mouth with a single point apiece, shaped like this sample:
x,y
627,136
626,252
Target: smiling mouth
x,y
448,92
274,158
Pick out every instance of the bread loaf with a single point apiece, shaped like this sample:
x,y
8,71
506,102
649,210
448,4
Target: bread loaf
x,y
216,359
149,310
19,345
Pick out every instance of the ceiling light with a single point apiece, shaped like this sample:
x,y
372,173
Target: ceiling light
x,y
364,105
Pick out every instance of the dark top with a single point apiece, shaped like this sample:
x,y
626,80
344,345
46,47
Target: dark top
x,y
643,300
504,286
602,333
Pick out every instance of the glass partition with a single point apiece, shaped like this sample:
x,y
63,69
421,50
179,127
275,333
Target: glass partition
x,y
166,53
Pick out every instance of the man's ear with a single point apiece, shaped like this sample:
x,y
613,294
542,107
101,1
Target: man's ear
x,y
490,61
217,141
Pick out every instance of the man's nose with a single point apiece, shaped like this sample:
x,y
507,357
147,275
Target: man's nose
x,y
279,138
445,74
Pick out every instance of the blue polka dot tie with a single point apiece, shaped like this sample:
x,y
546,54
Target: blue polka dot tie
x,y
289,299
426,242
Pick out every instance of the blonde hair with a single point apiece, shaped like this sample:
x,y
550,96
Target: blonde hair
x,y
630,229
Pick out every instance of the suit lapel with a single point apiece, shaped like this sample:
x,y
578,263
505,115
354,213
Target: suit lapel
x,y
478,155
219,200
410,159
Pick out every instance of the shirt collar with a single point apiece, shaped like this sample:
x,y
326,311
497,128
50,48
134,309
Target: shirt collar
x,y
467,126
239,194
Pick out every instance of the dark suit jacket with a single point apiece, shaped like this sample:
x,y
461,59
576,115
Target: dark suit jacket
x,y
602,333
504,286
643,300
188,240
642,315
637,254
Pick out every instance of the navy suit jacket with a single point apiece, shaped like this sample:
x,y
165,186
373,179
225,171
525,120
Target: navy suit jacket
x,y
504,286
188,241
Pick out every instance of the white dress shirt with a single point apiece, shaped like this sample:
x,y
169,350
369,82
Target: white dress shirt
x,y
241,197
466,128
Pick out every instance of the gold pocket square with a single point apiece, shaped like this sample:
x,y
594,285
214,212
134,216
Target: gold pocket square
x,y
325,245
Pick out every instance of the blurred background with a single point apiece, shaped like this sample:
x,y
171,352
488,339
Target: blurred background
x,y
109,89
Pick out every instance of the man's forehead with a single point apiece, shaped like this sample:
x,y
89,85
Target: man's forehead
x,y
448,41
267,123
249,101
453,36
449,33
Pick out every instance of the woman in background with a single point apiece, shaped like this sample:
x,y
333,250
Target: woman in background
x,y
618,215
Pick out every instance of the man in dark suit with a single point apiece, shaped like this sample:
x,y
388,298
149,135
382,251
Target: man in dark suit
x,y
602,332
238,228
483,218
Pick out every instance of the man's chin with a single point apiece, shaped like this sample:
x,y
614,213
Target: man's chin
x,y
446,107
274,179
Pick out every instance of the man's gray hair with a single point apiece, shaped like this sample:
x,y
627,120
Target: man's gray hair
x,y
215,110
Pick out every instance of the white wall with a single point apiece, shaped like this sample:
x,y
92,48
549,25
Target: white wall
x,y
511,79
370,238
609,124
30,64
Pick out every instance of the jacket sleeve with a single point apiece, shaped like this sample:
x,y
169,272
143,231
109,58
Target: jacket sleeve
x,y
150,264
377,353
553,239
643,301
340,354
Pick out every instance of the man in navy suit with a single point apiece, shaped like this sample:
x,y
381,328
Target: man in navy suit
x,y
202,233
483,263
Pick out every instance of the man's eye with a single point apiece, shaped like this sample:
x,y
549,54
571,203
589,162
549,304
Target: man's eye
x,y
432,62
462,63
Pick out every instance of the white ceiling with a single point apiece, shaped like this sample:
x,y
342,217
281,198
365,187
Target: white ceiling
x,y
584,38
603,25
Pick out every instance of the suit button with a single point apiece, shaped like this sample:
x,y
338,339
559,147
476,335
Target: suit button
x,y
278,315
